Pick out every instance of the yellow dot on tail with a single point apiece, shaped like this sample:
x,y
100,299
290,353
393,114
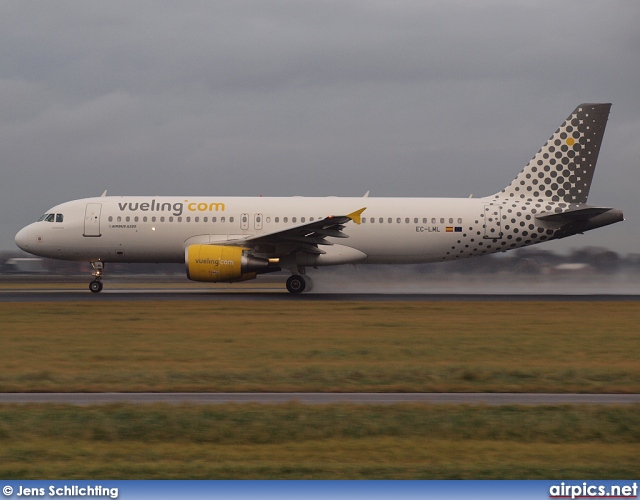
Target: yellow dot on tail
x,y
571,141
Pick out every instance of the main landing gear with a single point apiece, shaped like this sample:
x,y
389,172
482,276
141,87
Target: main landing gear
x,y
298,283
96,285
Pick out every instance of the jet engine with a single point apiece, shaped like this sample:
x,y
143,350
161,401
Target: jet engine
x,y
225,263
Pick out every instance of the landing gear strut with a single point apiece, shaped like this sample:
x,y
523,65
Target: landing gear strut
x,y
96,285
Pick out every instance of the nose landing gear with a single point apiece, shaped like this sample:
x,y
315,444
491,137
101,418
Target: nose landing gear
x,y
96,285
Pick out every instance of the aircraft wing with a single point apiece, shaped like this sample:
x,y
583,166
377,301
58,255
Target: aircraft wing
x,y
303,237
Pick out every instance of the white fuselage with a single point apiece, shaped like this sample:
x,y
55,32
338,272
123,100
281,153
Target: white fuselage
x,y
159,229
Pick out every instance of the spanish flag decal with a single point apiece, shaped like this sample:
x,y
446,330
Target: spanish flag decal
x,y
449,229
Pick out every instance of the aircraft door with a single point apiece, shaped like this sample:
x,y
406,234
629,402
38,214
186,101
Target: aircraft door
x,y
257,221
92,219
244,221
492,220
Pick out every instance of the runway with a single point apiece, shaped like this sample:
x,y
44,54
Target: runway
x,y
278,294
83,399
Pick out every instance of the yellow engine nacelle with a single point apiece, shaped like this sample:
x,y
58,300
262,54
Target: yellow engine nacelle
x,y
223,263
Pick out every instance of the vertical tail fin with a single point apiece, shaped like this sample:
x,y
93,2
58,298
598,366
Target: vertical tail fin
x,y
562,169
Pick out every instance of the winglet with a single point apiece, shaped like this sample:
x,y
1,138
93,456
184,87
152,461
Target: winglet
x,y
355,216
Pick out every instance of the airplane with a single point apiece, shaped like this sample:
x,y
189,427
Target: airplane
x,y
231,239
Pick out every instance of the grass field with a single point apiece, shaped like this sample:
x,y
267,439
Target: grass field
x,y
325,346
333,441
319,346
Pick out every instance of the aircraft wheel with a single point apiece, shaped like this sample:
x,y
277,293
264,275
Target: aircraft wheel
x,y
295,284
95,286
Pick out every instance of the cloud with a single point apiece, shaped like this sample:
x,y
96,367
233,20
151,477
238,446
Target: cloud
x,y
403,98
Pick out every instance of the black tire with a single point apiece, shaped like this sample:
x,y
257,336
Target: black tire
x,y
95,286
296,284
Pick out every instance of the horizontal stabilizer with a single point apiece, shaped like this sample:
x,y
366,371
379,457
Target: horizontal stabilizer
x,y
568,216
579,220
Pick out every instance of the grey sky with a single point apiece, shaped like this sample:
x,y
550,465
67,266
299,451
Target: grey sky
x,y
403,98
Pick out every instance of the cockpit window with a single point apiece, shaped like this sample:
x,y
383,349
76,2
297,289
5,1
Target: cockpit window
x,y
51,218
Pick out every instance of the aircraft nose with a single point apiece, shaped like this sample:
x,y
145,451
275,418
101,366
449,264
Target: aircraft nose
x,y
22,238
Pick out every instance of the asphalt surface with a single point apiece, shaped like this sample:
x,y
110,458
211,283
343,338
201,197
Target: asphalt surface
x,y
61,295
319,398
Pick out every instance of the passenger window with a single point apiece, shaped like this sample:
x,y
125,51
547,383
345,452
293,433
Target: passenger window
x,y
170,219
230,219
111,218
451,220
415,220
277,219
144,219
460,220
286,219
205,219
179,219
364,219
381,220
162,219
398,220
128,218
425,220
372,220
136,219
119,219
433,220
221,219
442,220
188,219
406,221
59,217
196,219
293,219
302,219
153,219
390,221
310,219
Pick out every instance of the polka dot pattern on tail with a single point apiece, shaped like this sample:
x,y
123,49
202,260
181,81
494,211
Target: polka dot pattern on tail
x,y
562,170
